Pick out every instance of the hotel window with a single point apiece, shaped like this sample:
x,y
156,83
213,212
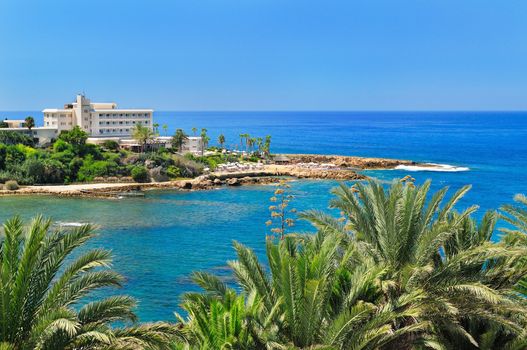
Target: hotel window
x,y
107,114
127,114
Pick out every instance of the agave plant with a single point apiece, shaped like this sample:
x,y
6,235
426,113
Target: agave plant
x,y
428,249
41,297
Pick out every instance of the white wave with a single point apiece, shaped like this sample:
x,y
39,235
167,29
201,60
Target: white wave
x,y
432,167
69,224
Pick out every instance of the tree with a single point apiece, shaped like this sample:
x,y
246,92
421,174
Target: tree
x,y
13,138
75,137
43,299
204,140
290,307
165,129
433,253
221,140
267,146
142,135
155,130
3,124
194,131
259,144
243,137
179,139
29,122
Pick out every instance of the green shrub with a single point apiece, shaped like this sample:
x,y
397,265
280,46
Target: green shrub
x,y
139,174
11,185
43,171
111,145
188,167
75,136
3,151
91,169
14,138
62,146
173,172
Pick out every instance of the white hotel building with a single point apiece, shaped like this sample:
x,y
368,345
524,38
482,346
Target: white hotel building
x,y
99,120
102,121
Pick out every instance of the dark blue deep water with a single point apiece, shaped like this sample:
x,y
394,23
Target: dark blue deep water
x,y
158,240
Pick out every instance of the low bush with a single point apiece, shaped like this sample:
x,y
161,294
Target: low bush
x,y
11,185
187,167
139,174
95,168
111,145
173,172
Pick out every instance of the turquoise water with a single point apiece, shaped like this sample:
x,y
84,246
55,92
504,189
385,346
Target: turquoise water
x,y
158,240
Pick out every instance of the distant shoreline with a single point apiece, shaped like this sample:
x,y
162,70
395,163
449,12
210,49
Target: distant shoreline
x,y
302,166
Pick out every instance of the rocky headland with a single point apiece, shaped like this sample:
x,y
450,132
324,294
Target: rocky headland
x,y
302,166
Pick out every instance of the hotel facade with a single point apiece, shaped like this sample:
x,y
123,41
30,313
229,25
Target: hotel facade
x,y
97,119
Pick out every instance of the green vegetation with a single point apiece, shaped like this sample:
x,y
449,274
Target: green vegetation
x,y
70,159
29,122
139,174
178,139
142,135
397,270
11,185
44,300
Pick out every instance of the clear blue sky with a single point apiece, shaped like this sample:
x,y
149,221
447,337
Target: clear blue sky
x,y
266,54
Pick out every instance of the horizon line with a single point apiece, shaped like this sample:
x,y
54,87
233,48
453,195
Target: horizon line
x,y
319,110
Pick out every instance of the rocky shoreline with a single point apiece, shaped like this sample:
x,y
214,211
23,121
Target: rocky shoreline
x,y
304,166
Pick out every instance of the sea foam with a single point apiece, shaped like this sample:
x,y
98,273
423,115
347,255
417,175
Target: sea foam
x,y
69,224
432,167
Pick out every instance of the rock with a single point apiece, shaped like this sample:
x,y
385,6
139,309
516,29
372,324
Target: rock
x,y
185,185
149,164
158,174
217,181
233,182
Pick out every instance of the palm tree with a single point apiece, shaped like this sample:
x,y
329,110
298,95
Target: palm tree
x,y
267,146
204,140
29,122
142,135
431,252
221,140
242,138
218,318
293,306
259,143
42,299
194,131
156,129
165,129
178,139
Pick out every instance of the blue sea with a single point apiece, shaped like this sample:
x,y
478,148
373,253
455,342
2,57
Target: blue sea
x,y
157,241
